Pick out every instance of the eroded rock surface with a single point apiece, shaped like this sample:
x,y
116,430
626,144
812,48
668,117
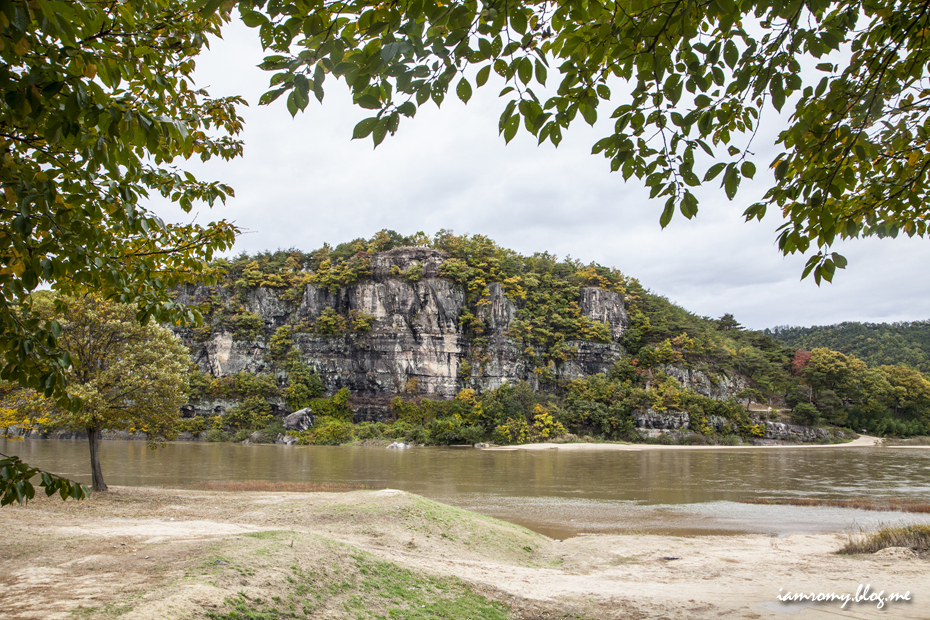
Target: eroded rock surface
x,y
416,343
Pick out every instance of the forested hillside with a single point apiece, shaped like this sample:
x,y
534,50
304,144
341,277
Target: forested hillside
x,y
876,344
697,371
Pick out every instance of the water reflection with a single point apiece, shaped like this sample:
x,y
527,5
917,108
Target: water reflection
x,y
556,492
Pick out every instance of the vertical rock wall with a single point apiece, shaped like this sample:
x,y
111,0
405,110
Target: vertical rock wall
x,y
415,334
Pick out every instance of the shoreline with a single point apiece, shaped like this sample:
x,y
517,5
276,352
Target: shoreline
x,y
864,441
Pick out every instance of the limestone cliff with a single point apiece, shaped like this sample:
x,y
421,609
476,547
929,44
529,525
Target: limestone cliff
x,y
415,333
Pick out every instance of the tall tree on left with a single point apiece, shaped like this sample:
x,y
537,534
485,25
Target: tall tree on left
x,y
97,104
128,376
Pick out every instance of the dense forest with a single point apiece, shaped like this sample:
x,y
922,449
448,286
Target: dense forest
x,y
816,386
876,344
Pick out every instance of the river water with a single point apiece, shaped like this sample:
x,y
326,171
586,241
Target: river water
x,y
557,492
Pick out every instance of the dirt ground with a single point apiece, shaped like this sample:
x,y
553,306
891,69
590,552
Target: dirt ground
x,y
140,553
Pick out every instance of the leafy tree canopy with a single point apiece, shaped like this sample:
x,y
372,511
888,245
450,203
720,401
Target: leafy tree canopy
x,y
696,78
128,376
97,104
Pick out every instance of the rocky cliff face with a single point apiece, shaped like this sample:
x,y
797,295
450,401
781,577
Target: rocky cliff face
x,y
415,334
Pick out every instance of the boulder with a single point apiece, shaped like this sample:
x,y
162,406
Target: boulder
x,y
299,421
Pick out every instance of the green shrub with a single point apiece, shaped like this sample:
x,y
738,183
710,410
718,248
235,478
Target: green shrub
x,y
274,428
216,435
693,439
511,431
473,433
303,385
260,437
805,413
729,440
251,414
398,430
662,440
198,383
194,425
328,432
249,384
337,407
247,326
369,430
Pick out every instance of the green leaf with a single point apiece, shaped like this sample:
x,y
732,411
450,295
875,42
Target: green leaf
x,y
589,112
210,7
482,77
292,106
380,131
667,212
408,108
511,127
713,171
781,169
689,205
525,70
463,90
541,73
369,102
389,51
518,20
730,181
437,95
777,91
364,128
253,19
730,53
748,169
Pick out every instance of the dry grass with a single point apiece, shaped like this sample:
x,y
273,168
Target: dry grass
x,y
280,487
887,505
916,537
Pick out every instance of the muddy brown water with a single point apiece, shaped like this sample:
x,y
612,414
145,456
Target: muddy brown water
x,y
558,493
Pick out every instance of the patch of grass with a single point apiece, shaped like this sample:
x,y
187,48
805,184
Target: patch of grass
x,y
916,537
365,588
110,610
887,505
271,535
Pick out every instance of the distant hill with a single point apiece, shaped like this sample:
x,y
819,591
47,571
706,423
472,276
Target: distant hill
x,y
876,344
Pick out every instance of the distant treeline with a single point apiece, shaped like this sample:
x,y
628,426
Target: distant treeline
x,y
877,344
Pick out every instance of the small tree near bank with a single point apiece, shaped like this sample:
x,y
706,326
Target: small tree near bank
x,y
128,375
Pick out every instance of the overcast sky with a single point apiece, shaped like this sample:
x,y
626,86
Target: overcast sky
x,y
303,182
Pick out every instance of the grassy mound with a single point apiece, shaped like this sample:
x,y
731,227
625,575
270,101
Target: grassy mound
x,y
283,574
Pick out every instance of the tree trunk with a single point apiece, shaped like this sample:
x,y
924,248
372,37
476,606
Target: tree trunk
x,y
93,437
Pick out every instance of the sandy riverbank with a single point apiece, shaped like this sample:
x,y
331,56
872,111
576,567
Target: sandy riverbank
x,y
160,553
863,441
